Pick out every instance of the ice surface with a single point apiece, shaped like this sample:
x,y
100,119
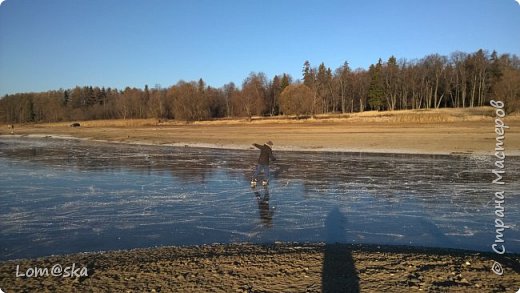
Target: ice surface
x,y
65,196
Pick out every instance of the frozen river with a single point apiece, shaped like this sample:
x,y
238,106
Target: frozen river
x,y
65,196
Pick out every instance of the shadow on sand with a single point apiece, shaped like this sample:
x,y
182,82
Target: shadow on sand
x,y
339,272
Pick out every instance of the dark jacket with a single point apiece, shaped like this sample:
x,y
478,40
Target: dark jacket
x,y
265,154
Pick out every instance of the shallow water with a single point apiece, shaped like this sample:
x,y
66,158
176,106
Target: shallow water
x,y
65,196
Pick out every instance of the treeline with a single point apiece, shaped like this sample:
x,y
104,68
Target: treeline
x,y
435,81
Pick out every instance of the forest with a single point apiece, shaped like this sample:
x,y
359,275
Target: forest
x,y
460,80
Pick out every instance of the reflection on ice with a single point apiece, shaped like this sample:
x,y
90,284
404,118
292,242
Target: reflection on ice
x,y
69,196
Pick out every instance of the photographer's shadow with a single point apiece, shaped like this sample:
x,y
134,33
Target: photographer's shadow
x,y
339,272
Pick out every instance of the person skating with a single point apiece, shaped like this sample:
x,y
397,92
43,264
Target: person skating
x,y
266,154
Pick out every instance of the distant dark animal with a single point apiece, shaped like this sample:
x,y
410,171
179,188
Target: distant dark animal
x,y
76,124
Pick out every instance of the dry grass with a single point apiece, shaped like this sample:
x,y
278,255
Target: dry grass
x,y
426,116
400,116
121,123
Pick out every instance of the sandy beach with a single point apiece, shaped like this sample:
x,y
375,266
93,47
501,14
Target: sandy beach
x,y
270,268
445,131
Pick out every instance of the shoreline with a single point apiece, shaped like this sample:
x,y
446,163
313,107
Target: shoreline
x,y
244,267
513,153
433,132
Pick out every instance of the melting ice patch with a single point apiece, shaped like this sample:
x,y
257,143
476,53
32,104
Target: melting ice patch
x,y
70,196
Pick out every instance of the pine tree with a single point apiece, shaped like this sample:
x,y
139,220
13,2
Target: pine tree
x,y
66,98
376,88
286,81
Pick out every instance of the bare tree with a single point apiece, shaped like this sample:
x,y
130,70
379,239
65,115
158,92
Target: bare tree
x,y
343,81
254,94
459,61
508,89
296,99
190,102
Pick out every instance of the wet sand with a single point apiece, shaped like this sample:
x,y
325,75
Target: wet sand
x,y
271,268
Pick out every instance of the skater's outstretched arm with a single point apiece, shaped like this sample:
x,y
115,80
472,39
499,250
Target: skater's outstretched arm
x,y
257,146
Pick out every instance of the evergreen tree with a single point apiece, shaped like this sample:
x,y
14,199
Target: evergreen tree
x,y
66,98
286,81
376,88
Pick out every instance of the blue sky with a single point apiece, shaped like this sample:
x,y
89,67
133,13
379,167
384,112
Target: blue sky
x,y
56,44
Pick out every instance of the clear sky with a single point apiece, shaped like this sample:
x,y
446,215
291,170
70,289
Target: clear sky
x,y
56,44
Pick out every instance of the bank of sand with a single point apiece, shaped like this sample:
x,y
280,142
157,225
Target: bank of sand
x,y
271,268
444,131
